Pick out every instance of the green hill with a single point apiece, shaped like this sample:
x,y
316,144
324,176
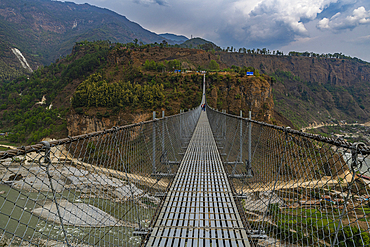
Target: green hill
x,y
10,66
201,44
177,39
100,85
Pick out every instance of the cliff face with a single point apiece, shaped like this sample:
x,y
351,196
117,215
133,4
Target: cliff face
x,y
310,90
225,90
234,93
78,124
341,72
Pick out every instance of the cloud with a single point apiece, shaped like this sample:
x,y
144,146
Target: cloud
x,y
341,6
240,23
323,24
359,17
362,40
271,21
151,2
336,15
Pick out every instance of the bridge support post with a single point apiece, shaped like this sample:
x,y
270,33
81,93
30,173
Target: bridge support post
x,y
47,162
180,125
164,152
249,162
153,157
163,159
241,137
225,126
248,167
163,132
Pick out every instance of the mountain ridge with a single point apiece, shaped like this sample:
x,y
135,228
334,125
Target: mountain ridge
x,y
177,39
45,30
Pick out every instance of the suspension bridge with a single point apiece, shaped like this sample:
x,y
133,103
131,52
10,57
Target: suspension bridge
x,y
198,178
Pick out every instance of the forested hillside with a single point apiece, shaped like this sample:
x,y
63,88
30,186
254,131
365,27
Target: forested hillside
x,y
10,66
23,110
101,85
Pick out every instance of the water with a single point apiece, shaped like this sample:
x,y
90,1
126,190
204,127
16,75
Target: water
x,y
363,163
17,218
365,168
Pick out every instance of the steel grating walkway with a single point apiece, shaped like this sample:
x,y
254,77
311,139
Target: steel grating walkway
x,y
199,209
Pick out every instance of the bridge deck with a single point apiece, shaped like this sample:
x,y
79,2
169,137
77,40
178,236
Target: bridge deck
x,y
199,209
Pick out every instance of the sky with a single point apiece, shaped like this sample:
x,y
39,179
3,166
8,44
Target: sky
x,y
320,26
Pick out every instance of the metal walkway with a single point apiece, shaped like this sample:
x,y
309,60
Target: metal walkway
x,y
199,209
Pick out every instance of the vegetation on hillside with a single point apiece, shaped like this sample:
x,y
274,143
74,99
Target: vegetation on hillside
x,y
96,92
10,67
101,79
199,43
22,111
265,51
302,101
89,79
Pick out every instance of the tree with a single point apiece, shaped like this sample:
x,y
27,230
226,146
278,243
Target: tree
x,y
164,42
213,65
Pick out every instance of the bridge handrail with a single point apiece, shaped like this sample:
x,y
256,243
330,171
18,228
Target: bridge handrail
x,y
360,147
84,190
40,146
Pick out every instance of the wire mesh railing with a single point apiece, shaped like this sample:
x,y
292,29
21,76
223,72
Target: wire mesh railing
x,y
97,189
295,188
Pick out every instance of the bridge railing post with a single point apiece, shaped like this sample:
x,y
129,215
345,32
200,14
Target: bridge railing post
x,y
249,161
180,119
163,123
224,134
241,137
154,140
47,162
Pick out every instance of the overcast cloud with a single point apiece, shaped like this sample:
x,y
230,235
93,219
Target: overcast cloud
x,y
339,21
321,26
